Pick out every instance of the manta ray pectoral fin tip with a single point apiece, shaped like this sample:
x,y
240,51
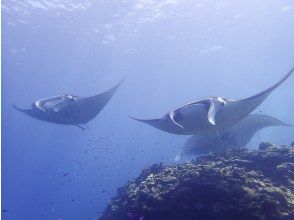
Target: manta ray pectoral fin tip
x,y
132,117
118,85
19,109
288,125
136,119
15,107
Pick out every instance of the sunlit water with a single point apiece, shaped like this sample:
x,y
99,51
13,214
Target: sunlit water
x,y
169,52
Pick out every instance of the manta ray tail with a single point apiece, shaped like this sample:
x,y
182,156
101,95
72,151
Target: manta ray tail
x,y
266,92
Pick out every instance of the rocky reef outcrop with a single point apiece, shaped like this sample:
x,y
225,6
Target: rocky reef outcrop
x,y
238,184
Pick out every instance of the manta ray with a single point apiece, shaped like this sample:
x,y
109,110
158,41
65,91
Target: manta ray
x,y
210,114
69,109
238,135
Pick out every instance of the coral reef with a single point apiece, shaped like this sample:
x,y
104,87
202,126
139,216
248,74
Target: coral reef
x,y
238,184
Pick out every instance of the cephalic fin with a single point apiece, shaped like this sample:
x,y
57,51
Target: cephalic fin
x,y
20,109
17,108
214,108
211,114
171,115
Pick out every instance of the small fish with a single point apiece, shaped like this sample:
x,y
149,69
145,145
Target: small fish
x,y
130,215
65,174
134,216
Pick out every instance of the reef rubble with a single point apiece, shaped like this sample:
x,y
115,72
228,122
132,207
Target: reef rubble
x,y
237,184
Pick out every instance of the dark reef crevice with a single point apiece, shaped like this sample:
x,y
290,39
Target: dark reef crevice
x,y
238,184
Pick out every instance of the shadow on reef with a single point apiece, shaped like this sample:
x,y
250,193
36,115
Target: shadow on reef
x,y
238,184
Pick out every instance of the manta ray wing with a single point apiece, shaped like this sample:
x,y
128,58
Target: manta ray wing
x,y
236,110
238,135
82,110
151,122
31,112
261,96
25,111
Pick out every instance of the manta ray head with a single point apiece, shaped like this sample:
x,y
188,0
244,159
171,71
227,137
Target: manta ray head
x,y
229,113
222,103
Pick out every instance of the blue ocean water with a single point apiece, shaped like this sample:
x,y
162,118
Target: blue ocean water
x,y
169,52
